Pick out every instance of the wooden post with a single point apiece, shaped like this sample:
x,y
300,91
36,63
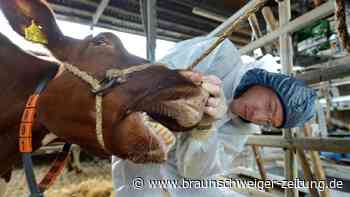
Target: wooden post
x,y
295,25
260,165
286,53
254,25
307,171
270,19
271,22
315,158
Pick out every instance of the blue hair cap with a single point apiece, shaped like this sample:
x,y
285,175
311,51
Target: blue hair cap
x,y
297,99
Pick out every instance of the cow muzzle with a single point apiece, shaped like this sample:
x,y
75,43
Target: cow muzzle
x,y
153,126
181,114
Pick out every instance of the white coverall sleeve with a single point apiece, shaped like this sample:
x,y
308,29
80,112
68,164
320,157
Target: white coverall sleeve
x,y
196,154
210,153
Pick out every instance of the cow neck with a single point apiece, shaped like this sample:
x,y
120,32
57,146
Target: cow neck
x,y
114,76
19,75
24,68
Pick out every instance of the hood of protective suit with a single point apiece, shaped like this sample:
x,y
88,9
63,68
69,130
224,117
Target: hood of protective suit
x,y
297,99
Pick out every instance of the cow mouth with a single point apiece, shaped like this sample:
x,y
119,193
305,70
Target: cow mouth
x,y
163,118
166,140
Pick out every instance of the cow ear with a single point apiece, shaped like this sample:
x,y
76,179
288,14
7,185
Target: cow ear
x,y
33,19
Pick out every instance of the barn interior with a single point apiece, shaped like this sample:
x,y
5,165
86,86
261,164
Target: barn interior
x,y
302,36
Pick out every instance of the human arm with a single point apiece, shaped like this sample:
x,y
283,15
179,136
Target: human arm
x,y
196,151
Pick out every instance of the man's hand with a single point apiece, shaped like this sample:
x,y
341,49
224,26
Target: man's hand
x,y
194,76
216,106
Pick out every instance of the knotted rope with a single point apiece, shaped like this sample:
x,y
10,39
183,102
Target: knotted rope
x,y
119,74
95,85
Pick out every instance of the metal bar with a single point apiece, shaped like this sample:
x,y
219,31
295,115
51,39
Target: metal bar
x,y
170,11
148,13
164,35
329,144
101,7
160,21
151,29
237,15
316,14
115,23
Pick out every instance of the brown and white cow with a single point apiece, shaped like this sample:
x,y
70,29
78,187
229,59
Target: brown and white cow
x,y
66,108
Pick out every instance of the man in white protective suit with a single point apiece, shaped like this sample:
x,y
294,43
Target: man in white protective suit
x,y
240,95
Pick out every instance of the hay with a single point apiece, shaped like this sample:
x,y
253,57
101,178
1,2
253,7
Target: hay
x,y
95,180
95,187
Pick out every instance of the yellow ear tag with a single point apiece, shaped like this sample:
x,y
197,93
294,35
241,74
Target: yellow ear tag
x,y
33,33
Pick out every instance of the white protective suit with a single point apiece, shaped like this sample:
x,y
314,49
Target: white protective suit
x,y
195,156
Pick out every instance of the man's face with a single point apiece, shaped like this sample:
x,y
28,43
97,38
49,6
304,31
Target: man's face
x,y
259,105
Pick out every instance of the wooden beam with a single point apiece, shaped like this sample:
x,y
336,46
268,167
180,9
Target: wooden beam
x,y
255,27
316,160
307,171
260,164
286,54
237,16
271,23
329,144
213,16
239,40
316,14
270,19
333,69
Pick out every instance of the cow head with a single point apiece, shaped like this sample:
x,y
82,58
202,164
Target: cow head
x,y
130,109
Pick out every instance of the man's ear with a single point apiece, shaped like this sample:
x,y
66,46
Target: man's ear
x,y
35,21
